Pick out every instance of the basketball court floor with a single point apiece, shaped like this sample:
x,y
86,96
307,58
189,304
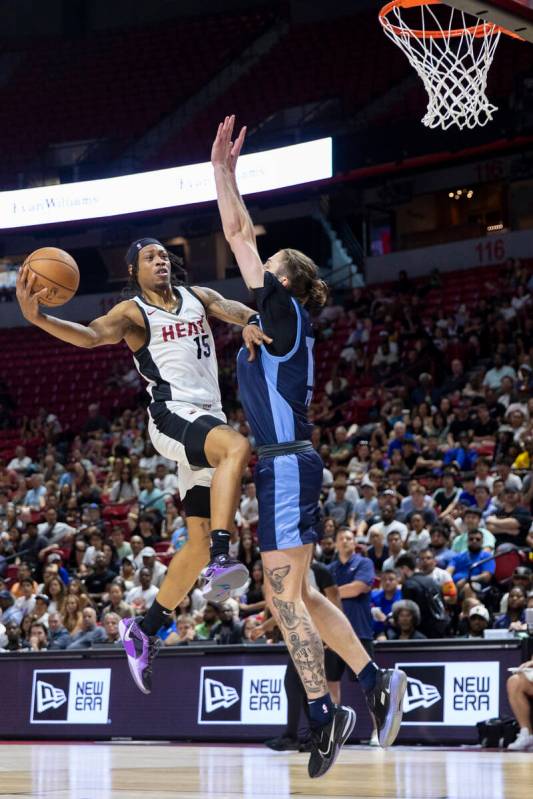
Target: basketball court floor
x,y
117,771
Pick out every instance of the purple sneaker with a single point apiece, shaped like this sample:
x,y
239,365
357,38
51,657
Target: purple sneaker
x,y
141,649
223,575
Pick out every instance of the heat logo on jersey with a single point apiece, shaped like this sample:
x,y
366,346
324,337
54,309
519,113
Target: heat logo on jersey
x,y
183,329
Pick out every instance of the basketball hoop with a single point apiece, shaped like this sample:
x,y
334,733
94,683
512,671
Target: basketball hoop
x,y
452,56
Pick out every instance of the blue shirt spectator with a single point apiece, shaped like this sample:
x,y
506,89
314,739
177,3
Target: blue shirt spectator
x,y
354,574
462,563
384,598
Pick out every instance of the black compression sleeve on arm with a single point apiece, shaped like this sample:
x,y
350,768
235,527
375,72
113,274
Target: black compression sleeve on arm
x,y
278,315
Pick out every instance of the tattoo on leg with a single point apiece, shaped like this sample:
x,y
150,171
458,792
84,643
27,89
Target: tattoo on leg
x,y
276,577
304,645
287,613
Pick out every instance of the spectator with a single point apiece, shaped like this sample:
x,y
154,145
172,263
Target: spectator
x,y
510,480
478,621
34,498
367,506
389,522
9,611
395,547
126,488
165,481
26,601
89,634
426,594
151,498
328,550
472,522
406,620
515,617
354,574
440,538
137,546
428,566
40,610
58,635
111,622
38,638
127,573
383,599
484,501
122,547
340,509
56,592
378,552
115,601
21,463
474,562
341,451
247,552
72,617
522,576
499,370
229,629
210,618
96,423
417,537
157,569
14,641
510,524
141,597
97,582
520,695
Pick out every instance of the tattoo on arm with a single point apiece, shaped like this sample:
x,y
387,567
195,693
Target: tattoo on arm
x,y
276,577
228,310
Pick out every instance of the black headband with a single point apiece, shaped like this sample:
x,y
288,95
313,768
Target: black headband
x,y
135,248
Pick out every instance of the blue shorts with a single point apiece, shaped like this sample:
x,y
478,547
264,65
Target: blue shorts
x,y
288,493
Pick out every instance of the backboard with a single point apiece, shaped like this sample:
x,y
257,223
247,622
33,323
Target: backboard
x,y
516,15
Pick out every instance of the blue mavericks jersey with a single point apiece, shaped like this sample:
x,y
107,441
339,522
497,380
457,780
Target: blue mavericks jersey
x,y
276,390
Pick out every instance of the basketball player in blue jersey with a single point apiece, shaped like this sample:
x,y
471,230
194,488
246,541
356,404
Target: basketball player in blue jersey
x,y
276,389
166,327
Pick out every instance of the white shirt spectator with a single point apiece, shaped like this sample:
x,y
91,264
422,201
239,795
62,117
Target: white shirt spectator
x,y
352,494
440,576
416,542
158,573
19,464
249,510
168,484
26,605
494,376
327,478
381,527
56,532
139,598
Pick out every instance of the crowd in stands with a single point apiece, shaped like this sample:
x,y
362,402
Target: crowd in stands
x,y
430,491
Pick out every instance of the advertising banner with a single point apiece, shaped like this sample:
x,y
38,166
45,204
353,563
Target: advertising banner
x,y
70,696
242,695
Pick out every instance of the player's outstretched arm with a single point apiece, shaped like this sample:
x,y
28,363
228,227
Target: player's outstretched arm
x,y
236,222
108,329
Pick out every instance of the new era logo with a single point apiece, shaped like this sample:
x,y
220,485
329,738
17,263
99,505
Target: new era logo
x,y
419,695
48,696
218,695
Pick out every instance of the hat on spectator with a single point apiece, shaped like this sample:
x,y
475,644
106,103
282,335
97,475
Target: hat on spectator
x,y
44,598
480,610
93,505
6,595
389,492
366,481
54,557
148,552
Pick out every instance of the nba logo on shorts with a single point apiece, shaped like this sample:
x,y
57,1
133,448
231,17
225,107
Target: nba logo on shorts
x,y
221,693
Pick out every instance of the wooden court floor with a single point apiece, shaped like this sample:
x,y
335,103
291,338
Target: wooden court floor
x,y
111,771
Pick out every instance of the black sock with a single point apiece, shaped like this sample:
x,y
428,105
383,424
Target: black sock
x,y
219,543
156,617
368,676
320,711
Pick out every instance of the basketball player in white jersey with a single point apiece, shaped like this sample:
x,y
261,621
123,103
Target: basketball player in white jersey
x,y
167,329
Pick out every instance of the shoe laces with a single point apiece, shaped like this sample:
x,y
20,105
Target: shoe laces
x,y
154,645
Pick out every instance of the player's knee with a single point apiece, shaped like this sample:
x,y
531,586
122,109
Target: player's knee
x,y
239,449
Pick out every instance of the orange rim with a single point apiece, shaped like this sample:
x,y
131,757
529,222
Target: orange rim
x,y
486,29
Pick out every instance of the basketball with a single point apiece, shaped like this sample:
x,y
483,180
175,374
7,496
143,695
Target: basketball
x,y
56,271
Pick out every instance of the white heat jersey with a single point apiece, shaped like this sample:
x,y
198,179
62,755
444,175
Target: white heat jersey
x,y
178,360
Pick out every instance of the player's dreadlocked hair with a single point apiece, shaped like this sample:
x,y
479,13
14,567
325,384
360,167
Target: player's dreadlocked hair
x,y
178,273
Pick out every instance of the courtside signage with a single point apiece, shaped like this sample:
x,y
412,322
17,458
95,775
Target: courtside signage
x,y
242,695
163,188
451,694
70,696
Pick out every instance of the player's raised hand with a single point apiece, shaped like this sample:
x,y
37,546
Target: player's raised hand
x,y
253,337
225,152
28,301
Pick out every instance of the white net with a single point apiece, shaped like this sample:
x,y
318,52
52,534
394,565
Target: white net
x,y
453,64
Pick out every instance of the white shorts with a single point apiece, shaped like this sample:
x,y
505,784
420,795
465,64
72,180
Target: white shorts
x,y
175,436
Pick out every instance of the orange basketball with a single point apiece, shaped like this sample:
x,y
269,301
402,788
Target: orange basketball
x,y
56,271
